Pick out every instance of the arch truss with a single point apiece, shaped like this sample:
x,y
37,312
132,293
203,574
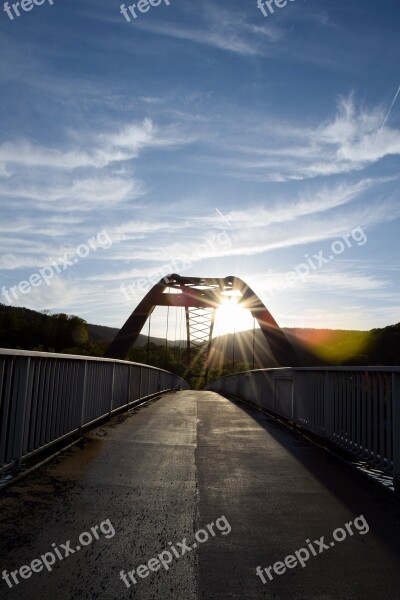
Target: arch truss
x,y
200,298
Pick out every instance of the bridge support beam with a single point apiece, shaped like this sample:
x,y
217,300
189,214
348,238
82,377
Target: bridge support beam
x,y
202,293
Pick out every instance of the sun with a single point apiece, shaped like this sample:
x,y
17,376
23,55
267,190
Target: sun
x,y
231,317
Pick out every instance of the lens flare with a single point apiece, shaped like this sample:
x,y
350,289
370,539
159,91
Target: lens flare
x,y
230,317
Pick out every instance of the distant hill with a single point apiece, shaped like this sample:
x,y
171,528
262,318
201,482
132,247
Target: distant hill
x,y
26,329
318,347
31,330
102,333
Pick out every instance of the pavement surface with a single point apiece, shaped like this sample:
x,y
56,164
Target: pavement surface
x,y
214,489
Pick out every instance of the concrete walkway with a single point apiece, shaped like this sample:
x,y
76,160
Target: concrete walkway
x,y
155,476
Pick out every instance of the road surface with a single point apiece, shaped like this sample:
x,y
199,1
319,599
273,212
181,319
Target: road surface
x,y
194,468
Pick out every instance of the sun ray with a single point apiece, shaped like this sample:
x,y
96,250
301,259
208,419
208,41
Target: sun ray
x,y
230,317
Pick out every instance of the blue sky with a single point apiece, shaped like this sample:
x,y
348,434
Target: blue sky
x,y
207,137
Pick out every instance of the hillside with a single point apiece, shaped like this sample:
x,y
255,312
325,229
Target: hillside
x,y
102,333
30,330
26,329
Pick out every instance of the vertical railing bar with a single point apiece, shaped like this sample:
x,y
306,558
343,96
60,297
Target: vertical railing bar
x,y
102,409
382,399
28,411
50,403
112,392
345,387
82,396
129,371
67,407
3,399
293,404
353,413
358,413
61,421
54,402
389,423
329,406
42,395
375,425
349,399
74,398
341,407
338,400
396,430
321,403
371,417
344,408
364,384
2,373
9,376
21,398
335,405
36,367
140,381
12,417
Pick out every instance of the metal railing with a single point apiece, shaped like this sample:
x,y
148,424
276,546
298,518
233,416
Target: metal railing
x,y
356,408
47,397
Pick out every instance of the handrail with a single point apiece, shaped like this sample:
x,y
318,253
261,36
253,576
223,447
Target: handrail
x,y
356,408
396,369
10,352
47,397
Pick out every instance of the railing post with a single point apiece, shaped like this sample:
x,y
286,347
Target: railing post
x,y
274,393
129,386
293,402
329,410
112,390
141,381
396,430
21,400
82,393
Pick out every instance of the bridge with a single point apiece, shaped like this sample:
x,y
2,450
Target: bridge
x,y
121,481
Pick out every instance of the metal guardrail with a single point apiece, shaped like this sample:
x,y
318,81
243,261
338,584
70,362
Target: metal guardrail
x,y
46,397
356,408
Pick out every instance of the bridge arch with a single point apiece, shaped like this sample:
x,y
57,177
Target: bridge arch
x,y
198,295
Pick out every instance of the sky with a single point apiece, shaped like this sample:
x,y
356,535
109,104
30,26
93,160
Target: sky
x,y
207,139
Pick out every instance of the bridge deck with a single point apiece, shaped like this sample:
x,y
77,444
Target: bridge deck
x,y
176,465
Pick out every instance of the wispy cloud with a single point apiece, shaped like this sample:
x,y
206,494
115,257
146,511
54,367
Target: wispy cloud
x,y
309,203
315,216
311,218
78,194
279,151
227,30
331,279
98,150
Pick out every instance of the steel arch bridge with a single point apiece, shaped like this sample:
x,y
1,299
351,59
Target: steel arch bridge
x,y
200,298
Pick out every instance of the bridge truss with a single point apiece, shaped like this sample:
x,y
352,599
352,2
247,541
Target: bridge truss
x,y
200,298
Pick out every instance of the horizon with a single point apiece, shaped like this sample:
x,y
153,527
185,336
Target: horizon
x,y
239,331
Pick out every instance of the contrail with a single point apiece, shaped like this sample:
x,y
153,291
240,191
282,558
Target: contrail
x,y
390,109
225,219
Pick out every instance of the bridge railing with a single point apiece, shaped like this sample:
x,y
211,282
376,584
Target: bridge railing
x,y
46,397
357,409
